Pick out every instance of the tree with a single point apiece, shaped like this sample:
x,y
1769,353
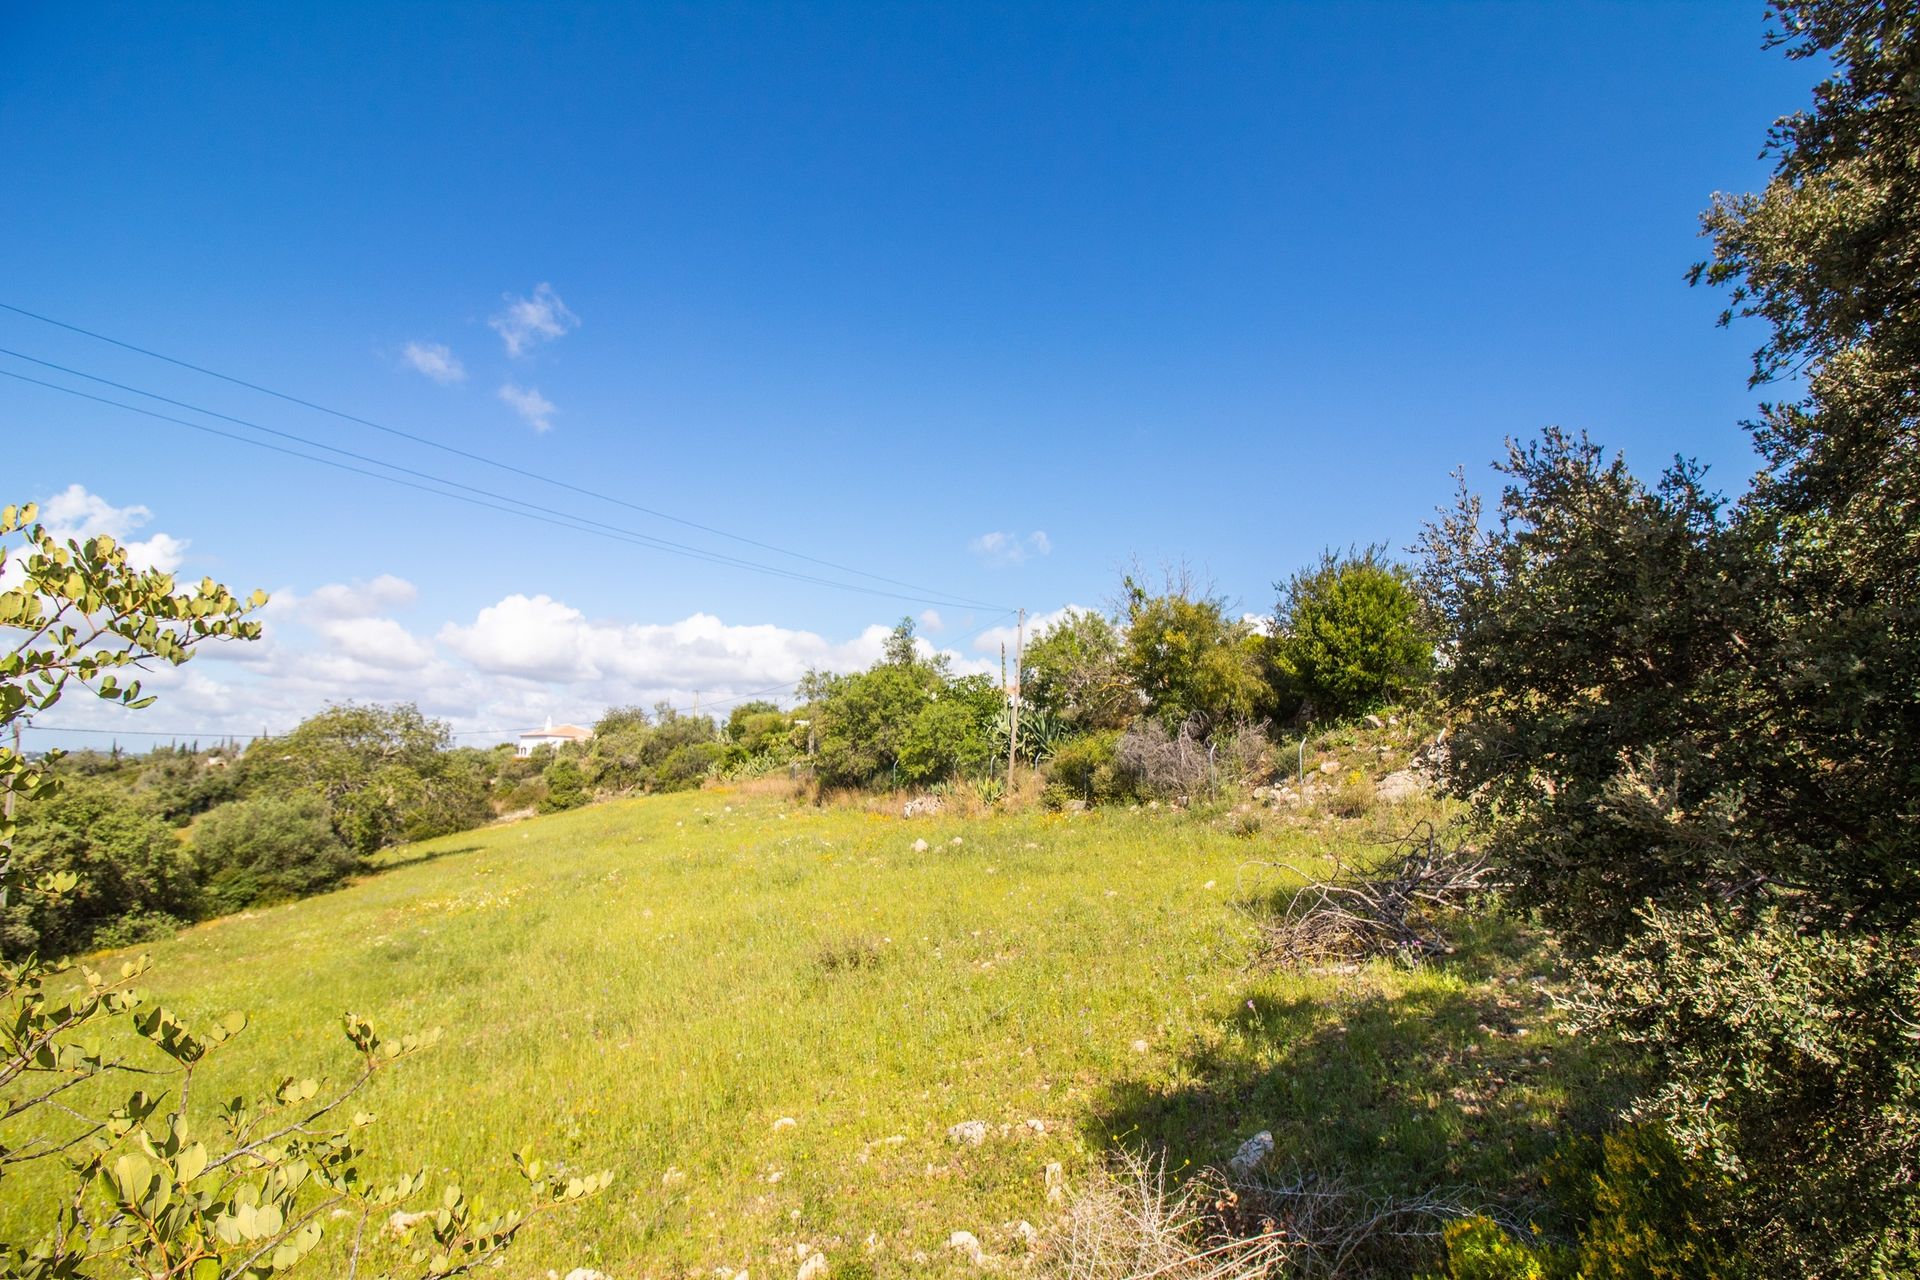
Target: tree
x,y
1348,635
269,848
1188,659
905,719
566,785
385,773
861,721
900,650
132,878
1075,671
950,734
1592,665
1694,733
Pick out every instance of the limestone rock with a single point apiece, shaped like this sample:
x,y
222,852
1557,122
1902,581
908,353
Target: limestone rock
x,y
1251,1153
968,1133
967,1245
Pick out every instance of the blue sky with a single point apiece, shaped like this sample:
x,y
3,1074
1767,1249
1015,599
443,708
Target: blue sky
x,y
989,299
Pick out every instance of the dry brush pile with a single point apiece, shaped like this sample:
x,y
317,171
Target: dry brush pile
x,y
1400,903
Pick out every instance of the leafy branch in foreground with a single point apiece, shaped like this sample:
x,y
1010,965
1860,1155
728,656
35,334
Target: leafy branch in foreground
x,y
82,613
156,1191
152,1189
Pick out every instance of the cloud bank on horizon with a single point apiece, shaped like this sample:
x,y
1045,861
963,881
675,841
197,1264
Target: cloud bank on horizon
x,y
511,666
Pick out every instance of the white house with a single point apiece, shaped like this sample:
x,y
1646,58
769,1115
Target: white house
x,y
554,735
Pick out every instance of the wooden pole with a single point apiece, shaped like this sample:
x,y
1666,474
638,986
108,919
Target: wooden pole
x,y
1013,733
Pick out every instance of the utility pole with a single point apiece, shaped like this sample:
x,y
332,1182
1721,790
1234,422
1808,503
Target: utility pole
x,y
1019,656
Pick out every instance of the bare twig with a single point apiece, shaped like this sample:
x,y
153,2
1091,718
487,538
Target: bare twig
x,y
1398,904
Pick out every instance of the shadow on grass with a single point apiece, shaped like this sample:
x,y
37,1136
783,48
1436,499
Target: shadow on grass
x,y
410,856
1449,1078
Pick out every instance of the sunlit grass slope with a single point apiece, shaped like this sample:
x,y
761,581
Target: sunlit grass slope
x,y
650,985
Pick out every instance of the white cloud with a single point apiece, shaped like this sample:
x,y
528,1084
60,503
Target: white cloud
x,y
528,322
538,637
377,642
534,409
1010,548
353,600
436,360
931,620
515,663
76,513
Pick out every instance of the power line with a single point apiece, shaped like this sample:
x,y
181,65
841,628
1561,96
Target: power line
x,y
527,510
461,453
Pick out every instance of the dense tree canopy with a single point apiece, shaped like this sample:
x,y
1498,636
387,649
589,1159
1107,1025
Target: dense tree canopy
x,y
1348,634
1189,660
1075,672
385,773
1693,732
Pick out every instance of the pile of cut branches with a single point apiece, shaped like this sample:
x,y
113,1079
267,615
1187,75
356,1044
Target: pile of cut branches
x,y
1133,1222
1396,904
1334,1229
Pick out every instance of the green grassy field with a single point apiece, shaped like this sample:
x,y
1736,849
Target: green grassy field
x,y
650,985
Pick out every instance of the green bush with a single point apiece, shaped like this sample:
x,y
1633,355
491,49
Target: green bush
x,y
566,786
1348,636
1188,659
384,772
454,800
1655,1214
269,848
686,766
1643,1212
905,719
1789,1055
1479,1249
1084,768
133,875
947,737
1074,673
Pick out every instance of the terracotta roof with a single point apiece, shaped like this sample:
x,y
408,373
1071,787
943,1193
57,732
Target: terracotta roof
x,y
573,731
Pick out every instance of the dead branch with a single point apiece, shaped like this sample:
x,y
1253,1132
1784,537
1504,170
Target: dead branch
x,y
1396,904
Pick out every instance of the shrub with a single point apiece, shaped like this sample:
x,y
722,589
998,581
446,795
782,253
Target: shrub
x,y
566,786
1242,754
129,865
1354,796
1348,634
1786,1056
1075,673
1149,761
948,736
1087,768
905,719
1654,1213
686,766
269,848
1644,1212
1189,660
519,795
381,770
1478,1248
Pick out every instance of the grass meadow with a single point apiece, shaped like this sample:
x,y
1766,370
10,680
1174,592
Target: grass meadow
x,y
651,985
